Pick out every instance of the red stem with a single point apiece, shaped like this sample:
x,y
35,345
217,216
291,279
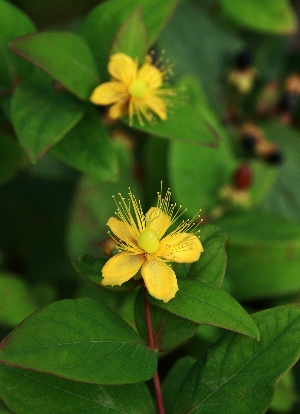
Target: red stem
x,y
156,382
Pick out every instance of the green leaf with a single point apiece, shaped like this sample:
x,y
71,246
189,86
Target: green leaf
x,y
91,267
64,56
209,305
88,148
82,340
212,264
32,392
184,123
272,16
263,254
197,173
169,330
131,38
12,158
239,374
102,24
173,380
41,115
13,23
16,301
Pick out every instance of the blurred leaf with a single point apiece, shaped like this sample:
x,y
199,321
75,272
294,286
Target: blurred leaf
x,y
198,45
263,254
284,199
64,56
197,173
172,383
59,337
13,23
99,31
169,330
26,391
16,300
240,375
12,158
42,115
88,148
285,394
207,304
131,38
91,267
93,203
272,16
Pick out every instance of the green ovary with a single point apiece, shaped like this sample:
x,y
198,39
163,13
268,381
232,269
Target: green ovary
x,y
148,240
138,88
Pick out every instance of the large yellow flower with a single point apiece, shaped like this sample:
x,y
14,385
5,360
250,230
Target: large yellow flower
x,y
143,245
133,90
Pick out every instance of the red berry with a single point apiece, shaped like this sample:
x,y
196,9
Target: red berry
x,y
242,177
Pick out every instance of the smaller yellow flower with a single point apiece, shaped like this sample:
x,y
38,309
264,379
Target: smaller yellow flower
x,y
143,245
133,90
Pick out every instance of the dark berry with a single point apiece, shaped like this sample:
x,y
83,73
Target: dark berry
x,y
288,102
242,177
243,60
274,158
248,141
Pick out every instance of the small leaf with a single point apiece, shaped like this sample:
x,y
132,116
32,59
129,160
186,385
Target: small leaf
x,y
82,340
42,115
240,375
64,56
88,148
13,23
272,16
209,305
31,392
131,38
169,330
91,267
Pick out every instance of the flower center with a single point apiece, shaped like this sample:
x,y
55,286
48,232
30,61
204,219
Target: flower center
x,y
148,240
138,88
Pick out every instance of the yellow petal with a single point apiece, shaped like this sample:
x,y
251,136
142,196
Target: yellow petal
x,y
159,221
122,68
120,268
160,279
151,75
180,248
122,230
156,105
108,93
118,110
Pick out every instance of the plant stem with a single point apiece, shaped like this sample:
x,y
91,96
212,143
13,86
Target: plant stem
x,y
156,381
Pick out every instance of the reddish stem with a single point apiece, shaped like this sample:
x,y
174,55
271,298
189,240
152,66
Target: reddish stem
x,y
156,381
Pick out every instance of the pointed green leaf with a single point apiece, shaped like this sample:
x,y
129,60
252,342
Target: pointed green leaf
x,y
239,375
102,24
272,16
13,23
209,305
31,392
41,115
91,267
64,56
131,38
169,330
82,340
88,148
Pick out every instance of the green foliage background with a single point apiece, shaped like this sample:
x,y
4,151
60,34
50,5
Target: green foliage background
x,y
61,161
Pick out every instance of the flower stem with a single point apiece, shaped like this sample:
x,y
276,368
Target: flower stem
x,y
156,381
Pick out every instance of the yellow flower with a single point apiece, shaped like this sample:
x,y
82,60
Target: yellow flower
x,y
133,90
143,245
